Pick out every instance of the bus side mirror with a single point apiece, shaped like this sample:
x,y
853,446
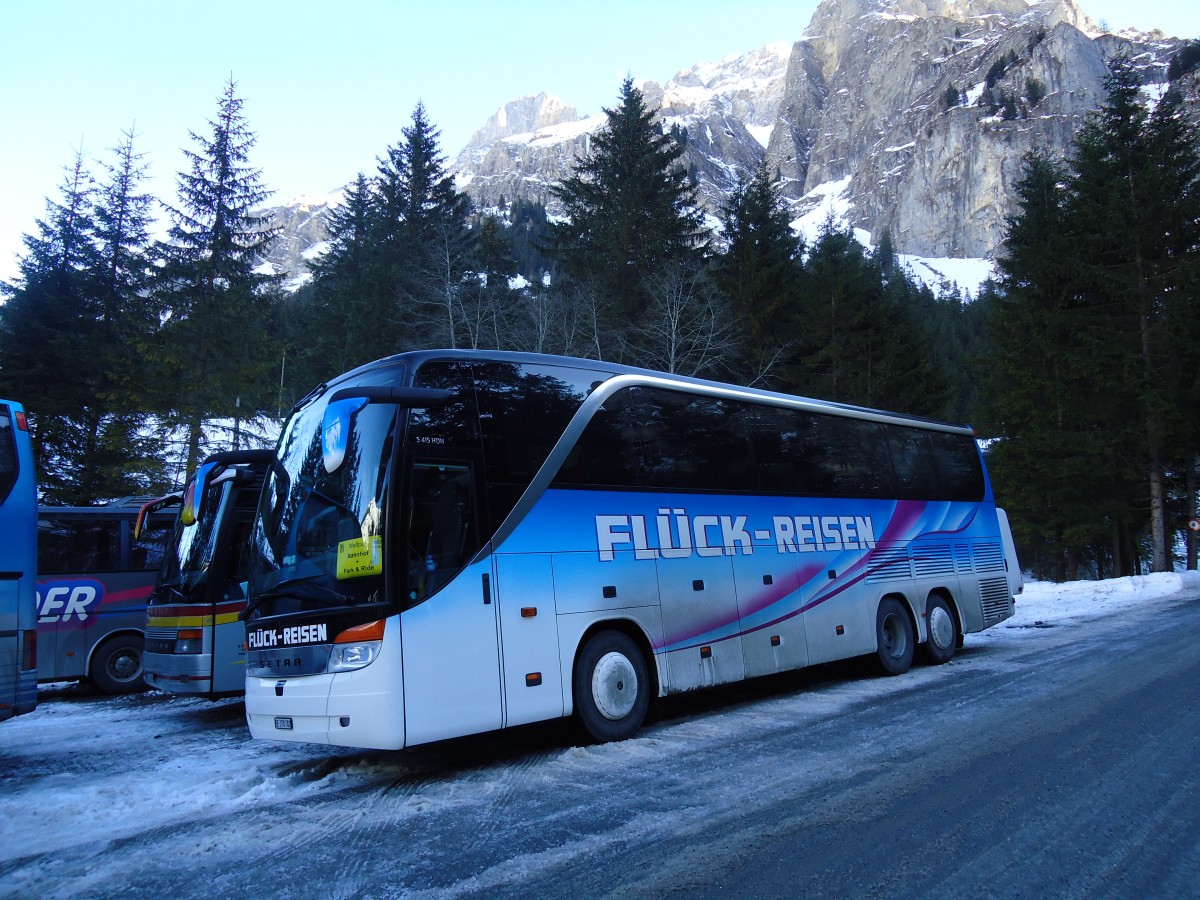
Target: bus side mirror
x,y
345,403
194,492
152,507
335,430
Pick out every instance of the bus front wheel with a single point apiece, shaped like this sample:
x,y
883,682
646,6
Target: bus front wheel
x,y
117,665
611,687
894,636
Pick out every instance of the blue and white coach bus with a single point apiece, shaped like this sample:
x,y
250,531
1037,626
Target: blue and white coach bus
x,y
18,564
452,542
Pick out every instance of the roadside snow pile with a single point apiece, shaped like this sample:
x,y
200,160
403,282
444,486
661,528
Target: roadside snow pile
x,y
1044,604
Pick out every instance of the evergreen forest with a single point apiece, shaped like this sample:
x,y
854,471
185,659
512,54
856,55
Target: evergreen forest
x,y
1078,364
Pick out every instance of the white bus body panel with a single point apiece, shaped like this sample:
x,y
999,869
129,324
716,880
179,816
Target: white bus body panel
x,y
1016,581
696,592
772,646
451,660
368,699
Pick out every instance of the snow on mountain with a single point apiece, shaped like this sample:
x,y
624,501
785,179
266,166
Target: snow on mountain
x,y
861,101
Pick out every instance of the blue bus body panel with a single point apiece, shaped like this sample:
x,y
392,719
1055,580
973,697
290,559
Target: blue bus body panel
x,y
760,584
76,611
18,572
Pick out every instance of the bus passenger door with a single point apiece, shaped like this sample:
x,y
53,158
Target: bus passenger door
x,y
449,635
533,688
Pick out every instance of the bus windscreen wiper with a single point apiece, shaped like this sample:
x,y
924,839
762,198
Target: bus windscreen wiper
x,y
170,589
300,589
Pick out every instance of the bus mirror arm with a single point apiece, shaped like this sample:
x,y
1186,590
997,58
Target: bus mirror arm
x,y
411,397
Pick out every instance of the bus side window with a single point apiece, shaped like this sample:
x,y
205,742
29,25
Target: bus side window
x,y
146,552
65,546
916,473
693,442
609,451
8,455
957,458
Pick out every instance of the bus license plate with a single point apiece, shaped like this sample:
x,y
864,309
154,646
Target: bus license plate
x,y
283,723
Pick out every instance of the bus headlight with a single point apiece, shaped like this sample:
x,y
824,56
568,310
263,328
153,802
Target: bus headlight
x,y
189,640
348,657
356,647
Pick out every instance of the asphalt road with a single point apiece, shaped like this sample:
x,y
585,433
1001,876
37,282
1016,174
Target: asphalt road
x,y
1064,765
1067,772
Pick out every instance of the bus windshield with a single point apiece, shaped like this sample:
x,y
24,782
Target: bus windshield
x,y
191,548
318,539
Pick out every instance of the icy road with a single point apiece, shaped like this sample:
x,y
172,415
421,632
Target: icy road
x,y
1056,755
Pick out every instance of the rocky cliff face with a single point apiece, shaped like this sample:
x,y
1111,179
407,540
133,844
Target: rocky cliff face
x,y
938,173
917,111
861,98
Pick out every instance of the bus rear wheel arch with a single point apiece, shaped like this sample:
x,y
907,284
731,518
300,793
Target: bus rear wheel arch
x,y
611,687
895,637
116,666
944,632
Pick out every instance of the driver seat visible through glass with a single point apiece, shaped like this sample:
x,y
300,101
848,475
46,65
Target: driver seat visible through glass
x,y
442,525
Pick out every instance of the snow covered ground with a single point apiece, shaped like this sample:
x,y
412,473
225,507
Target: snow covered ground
x,y
106,778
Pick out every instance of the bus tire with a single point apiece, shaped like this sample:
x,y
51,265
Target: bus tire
x,y
117,665
894,637
611,687
944,634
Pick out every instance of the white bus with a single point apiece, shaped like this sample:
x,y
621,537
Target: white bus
x,y
452,542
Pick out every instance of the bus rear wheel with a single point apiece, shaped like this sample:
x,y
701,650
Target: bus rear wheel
x,y
894,637
611,687
944,634
117,665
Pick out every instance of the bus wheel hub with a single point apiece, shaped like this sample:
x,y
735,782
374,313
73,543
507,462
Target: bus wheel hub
x,y
614,686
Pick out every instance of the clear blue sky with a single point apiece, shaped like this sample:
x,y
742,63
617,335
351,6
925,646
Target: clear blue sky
x,y
329,85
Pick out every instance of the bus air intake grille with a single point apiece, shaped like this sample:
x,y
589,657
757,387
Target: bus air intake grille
x,y
988,557
161,634
933,560
994,597
889,564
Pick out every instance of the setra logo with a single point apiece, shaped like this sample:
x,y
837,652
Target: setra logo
x,y
62,601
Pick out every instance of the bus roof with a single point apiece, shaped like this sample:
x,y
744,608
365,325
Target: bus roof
x,y
413,359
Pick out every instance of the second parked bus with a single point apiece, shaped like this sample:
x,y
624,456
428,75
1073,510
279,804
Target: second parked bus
x,y
452,542
94,580
195,640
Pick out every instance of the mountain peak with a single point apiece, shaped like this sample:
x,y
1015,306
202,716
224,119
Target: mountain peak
x,y
525,114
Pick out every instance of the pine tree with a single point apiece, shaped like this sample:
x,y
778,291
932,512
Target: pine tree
x,y
856,338
1130,196
630,211
344,328
119,457
1046,457
74,333
217,340
1175,143
528,232
423,239
760,267
488,307
46,331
